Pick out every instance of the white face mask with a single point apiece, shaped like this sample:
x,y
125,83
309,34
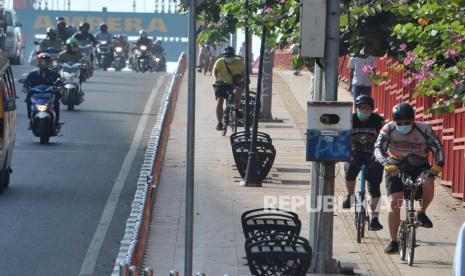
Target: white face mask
x,y
229,60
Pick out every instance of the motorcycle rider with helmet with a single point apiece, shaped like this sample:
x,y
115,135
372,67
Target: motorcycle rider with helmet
x,y
104,35
84,35
72,54
158,50
404,141
365,129
63,31
143,40
51,41
42,76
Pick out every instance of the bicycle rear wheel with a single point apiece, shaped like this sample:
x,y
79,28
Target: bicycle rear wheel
x,y
401,237
411,243
225,121
361,217
233,120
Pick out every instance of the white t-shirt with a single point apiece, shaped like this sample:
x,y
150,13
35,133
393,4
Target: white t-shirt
x,y
361,78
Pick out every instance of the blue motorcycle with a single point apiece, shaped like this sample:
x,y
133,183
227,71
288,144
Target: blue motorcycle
x,y
43,117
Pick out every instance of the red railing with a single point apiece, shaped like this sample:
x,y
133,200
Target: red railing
x,y
450,127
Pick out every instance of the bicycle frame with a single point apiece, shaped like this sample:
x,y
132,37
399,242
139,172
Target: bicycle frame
x,y
229,114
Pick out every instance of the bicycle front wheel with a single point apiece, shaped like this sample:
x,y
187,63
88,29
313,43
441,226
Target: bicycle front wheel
x,y
401,237
411,243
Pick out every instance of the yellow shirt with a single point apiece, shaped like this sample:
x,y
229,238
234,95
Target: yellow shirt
x,y
237,67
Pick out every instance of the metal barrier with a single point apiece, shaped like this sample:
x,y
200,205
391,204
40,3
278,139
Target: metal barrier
x,y
449,127
132,246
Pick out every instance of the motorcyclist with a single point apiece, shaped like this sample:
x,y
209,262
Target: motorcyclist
x,y
42,76
404,141
72,54
158,50
143,40
83,35
104,35
63,31
51,41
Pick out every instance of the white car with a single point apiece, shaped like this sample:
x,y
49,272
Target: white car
x,y
13,44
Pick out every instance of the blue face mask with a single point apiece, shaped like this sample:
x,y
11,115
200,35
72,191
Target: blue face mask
x,y
404,129
363,116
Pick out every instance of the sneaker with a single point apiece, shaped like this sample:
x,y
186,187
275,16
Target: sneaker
x,y
392,247
219,126
375,225
424,220
348,201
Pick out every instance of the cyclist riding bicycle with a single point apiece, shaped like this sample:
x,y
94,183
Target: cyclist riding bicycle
x,y
408,141
365,130
228,73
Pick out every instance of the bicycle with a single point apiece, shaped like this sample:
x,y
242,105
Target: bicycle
x,y
361,212
408,226
230,118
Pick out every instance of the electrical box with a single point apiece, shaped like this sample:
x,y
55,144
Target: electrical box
x,y
329,131
312,28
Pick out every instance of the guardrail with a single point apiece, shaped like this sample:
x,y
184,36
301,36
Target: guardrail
x,y
130,256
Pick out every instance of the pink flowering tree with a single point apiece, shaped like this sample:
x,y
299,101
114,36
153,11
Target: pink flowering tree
x,y
431,51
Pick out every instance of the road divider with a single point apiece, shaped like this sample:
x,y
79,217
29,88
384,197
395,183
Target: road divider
x,y
132,247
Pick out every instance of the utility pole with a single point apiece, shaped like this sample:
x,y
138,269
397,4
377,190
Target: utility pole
x,y
189,209
247,72
324,250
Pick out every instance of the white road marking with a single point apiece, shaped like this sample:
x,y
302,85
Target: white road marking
x,y
90,260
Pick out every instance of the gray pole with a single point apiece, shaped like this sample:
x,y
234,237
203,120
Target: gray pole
x,y
324,250
315,180
247,73
189,220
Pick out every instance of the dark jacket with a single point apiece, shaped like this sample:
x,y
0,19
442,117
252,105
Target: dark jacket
x,y
41,77
85,36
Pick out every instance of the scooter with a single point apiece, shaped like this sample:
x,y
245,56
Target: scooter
x,y
103,54
72,94
159,64
119,58
142,59
43,117
88,52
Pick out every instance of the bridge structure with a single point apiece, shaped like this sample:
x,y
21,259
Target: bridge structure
x,y
163,24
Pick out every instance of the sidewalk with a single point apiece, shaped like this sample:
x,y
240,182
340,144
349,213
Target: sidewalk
x,y
220,200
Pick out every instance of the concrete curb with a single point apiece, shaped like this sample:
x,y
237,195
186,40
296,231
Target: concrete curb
x,y
137,226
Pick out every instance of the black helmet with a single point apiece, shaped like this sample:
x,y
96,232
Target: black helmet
x,y
228,52
103,28
59,18
364,99
84,26
403,111
51,32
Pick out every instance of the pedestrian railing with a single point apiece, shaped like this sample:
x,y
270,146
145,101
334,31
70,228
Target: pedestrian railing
x,y
132,246
126,270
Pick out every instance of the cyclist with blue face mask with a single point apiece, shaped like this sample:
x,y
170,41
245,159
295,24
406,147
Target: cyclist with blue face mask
x,y
365,129
410,141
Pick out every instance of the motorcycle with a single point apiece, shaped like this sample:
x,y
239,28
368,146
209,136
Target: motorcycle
x,y
119,58
43,112
103,54
72,94
159,64
142,59
88,52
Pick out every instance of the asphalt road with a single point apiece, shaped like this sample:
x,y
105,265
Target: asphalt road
x,y
58,192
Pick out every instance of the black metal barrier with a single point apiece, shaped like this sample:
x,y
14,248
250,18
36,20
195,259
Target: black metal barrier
x,y
266,153
273,245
